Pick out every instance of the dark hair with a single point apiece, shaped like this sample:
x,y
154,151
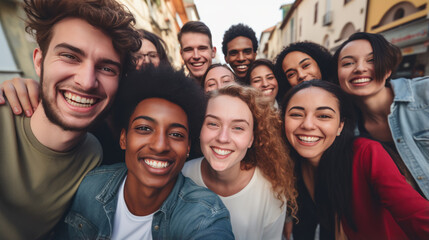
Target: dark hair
x,y
195,27
239,30
109,16
319,53
257,63
158,43
160,82
333,184
216,65
386,55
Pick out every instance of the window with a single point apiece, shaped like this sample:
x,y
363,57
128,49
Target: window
x,y
347,1
315,12
8,68
398,14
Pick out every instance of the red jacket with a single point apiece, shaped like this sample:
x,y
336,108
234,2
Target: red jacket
x,y
385,206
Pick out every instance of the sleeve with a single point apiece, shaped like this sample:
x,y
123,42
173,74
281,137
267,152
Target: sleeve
x,y
218,226
408,208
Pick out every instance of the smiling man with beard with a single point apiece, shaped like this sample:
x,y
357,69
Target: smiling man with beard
x,y
239,47
44,158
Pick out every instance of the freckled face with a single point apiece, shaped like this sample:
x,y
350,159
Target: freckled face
x,y
227,132
356,72
156,144
312,122
299,66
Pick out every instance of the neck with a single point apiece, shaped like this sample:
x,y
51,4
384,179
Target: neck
x,y
142,200
228,182
309,172
51,135
376,107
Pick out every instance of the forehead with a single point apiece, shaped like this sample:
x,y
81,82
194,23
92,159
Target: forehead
x,y
79,33
313,97
218,72
161,110
239,43
193,39
261,69
229,108
357,47
147,46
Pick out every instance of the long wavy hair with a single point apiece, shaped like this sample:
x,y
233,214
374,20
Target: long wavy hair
x,y
268,152
333,184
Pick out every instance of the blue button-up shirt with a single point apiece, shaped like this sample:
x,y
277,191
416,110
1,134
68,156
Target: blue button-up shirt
x,y
189,212
409,125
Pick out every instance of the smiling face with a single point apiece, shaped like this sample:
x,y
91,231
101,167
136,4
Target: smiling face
x,y
262,78
217,77
299,66
356,69
227,132
240,55
312,122
196,53
155,144
79,78
147,54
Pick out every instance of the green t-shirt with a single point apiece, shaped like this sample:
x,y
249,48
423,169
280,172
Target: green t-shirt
x,y
37,183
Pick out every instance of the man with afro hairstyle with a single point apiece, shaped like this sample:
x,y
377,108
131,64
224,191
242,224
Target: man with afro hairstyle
x,y
239,46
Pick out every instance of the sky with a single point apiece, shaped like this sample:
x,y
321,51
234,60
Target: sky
x,y
219,15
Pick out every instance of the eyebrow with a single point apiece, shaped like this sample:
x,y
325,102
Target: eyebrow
x,y
348,56
303,60
147,118
81,52
318,109
235,120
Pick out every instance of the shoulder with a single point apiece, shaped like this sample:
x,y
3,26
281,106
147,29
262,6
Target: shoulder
x,y
101,176
191,193
191,168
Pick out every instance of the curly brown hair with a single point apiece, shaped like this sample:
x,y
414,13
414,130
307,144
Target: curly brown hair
x,y
269,151
107,15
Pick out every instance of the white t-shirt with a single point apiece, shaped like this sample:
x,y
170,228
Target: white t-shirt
x,y
128,226
255,211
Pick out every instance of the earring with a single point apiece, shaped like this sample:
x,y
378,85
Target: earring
x,y
187,155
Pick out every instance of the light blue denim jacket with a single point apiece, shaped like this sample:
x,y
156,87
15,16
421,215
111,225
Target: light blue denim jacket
x,y
189,212
409,124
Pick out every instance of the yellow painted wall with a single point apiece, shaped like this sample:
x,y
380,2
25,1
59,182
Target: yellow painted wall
x,y
377,9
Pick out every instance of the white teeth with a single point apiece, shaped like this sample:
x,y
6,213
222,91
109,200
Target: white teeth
x,y
361,80
267,91
197,64
77,100
222,152
156,164
242,67
308,138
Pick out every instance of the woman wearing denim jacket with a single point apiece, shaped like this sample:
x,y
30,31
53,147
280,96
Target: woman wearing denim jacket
x,y
148,197
396,112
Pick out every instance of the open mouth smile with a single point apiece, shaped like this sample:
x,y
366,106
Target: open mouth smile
x,y
308,139
361,81
78,100
221,151
157,164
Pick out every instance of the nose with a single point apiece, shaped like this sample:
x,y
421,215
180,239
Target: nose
x,y
223,136
146,59
159,142
265,82
241,56
308,122
360,67
302,75
86,78
196,53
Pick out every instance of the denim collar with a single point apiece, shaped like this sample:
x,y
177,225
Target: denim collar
x,y
402,90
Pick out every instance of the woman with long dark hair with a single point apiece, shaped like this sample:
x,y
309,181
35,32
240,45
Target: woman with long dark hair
x,y
393,112
349,185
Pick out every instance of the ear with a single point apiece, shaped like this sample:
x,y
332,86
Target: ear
x,y
340,128
38,61
123,139
189,149
388,74
226,59
251,141
214,52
